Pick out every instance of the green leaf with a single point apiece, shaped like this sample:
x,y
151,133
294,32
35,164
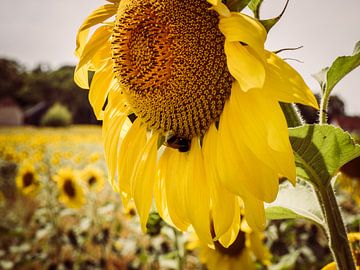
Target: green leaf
x,y
254,6
237,5
339,69
269,23
295,202
320,151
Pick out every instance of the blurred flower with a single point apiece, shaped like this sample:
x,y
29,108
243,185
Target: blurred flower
x,y
94,178
196,80
349,179
354,239
70,192
247,248
27,180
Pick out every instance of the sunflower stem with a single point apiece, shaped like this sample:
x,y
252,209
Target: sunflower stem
x,y
338,241
292,115
323,116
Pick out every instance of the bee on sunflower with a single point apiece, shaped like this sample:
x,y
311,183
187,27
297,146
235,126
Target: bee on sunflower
x,y
70,191
192,116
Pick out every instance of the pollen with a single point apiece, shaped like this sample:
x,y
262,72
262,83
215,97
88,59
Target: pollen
x,y
170,62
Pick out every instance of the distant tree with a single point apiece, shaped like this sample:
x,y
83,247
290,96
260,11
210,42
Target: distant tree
x,y
12,78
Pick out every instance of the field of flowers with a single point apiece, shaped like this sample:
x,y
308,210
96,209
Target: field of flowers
x,y
58,211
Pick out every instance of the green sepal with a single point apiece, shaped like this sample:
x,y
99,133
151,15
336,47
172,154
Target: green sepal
x,y
237,5
269,23
320,151
254,6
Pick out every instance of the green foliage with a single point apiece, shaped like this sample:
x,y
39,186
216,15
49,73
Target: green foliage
x,y
12,78
330,76
254,6
237,5
57,116
320,151
29,88
269,23
295,202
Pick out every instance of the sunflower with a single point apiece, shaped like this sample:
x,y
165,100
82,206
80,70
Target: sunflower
x,y
70,192
243,253
354,239
27,180
189,100
94,178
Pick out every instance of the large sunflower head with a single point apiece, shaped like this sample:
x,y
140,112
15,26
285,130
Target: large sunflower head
x,y
189,100
70,191
27,180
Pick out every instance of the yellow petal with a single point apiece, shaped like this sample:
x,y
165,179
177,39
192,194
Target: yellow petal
x,y
220,8
254,213
160,191
229,237
198,194
242,28
174,167
98,40
143,180
112,126
330,266
244,66
239,169
285,84
130,152
97,16
223,201
101,84
260,122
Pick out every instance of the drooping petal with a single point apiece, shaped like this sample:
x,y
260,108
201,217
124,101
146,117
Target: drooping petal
x,y
198,194
254,213
242,28
222,201
239,169
285,84
101,84
174,167
112,125
130,152
246,68
229,237
98,40
220,8
143,180
261,124
97,16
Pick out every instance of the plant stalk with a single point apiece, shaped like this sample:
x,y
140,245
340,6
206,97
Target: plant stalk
x,y
338,241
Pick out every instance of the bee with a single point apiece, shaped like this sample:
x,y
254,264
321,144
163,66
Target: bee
x,y
181,144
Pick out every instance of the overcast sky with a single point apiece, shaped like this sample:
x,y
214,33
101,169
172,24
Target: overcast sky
x,y
43,31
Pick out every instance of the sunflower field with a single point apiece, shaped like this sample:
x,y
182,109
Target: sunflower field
x,y
58,211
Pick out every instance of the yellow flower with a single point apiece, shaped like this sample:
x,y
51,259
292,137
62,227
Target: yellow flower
x,y
207,134
70,192
354,239
241,254
27,180
94,178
